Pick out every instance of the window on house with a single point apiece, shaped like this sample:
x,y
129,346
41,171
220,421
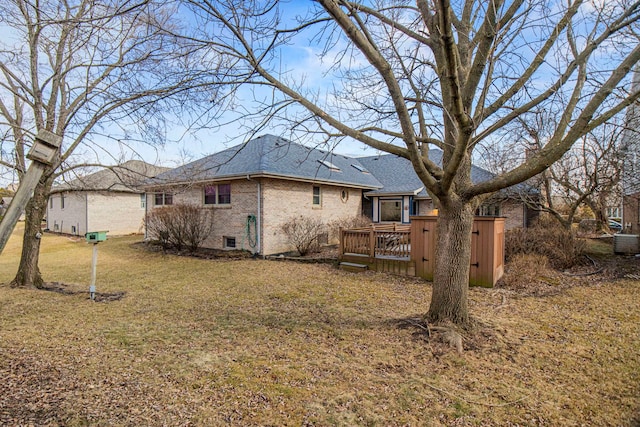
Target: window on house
x,y
229,242
317,196
61,201
488,210
391,210
143,201
161,199
217,194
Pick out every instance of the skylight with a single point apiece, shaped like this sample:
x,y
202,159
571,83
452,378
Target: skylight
x,y
360,168
329,165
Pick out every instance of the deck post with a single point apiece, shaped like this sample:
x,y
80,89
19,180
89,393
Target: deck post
x,y
372,242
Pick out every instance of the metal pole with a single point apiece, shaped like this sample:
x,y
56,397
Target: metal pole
x,y
94,264
42,153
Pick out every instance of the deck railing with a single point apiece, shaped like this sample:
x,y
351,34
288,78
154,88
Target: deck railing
x,y
377,241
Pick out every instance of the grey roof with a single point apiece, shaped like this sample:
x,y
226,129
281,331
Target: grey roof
x,y
398,177
126,177
269,155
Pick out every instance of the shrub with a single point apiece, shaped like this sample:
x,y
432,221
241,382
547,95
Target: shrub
x,y
304,233
523,269
358,221
180,226
547,238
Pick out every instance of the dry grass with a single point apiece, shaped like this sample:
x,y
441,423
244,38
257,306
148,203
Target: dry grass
x,y
203,342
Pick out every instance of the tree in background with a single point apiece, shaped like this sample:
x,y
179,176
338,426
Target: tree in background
x,y
84,70
402,76
586,176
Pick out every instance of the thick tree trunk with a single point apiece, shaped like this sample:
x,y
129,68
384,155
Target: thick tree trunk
x,y
28,272
453,257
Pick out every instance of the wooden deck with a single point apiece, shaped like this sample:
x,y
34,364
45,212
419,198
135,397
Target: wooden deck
x,y
381,247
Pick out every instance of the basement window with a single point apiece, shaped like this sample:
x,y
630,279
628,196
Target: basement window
x,y
229,242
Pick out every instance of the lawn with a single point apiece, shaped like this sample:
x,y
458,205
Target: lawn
x,y
253,342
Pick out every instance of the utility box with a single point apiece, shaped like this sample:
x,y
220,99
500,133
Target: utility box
x,y
96,236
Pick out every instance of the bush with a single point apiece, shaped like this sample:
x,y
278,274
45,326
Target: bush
x,y
358,221
180,226
547,238
157,223
523,269
304,233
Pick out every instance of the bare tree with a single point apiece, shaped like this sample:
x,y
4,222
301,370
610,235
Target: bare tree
x,y
588,175
452,75
85,70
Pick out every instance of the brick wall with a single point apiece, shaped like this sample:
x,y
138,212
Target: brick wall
x,y
279,201
228,220
119,213
514,212
283,200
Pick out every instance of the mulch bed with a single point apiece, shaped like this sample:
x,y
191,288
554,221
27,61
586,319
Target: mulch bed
x,y
203,253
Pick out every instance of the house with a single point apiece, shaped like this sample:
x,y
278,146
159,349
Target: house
x,y
255,188
105,200
403,194
631,165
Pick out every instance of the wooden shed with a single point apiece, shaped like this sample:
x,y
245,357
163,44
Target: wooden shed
x,y
487,248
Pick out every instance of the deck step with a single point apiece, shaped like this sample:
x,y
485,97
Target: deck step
x,y
352,266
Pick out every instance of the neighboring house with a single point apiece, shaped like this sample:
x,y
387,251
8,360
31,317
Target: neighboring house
x,y
631,165
403,194
268,179
107,200
271,180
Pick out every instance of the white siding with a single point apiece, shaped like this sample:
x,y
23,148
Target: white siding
x,y
72,219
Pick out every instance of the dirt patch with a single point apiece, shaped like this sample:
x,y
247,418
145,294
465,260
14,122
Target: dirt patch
x,y
66,289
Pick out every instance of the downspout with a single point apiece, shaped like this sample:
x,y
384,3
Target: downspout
x,y
258,216
146,211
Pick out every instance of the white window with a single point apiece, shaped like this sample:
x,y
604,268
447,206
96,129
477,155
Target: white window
x,y
143,201
162,199
61,201
317,196
217,194
489,210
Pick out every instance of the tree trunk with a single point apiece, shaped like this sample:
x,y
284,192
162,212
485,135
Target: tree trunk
x,y
453,258
28,272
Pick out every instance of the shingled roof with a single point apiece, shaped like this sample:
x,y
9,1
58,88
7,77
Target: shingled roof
x,y
269,155
126,177
398,177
